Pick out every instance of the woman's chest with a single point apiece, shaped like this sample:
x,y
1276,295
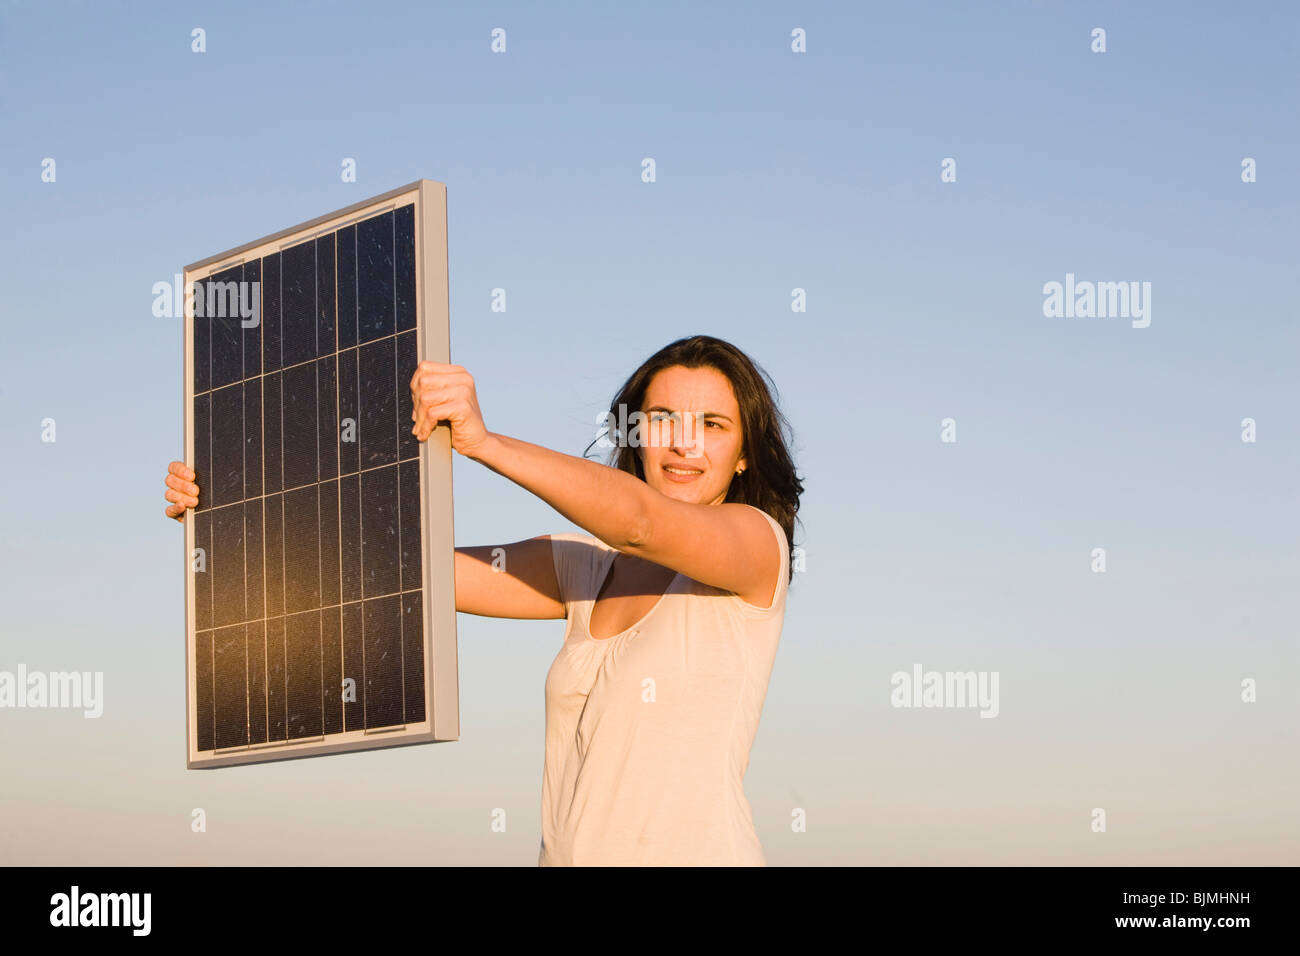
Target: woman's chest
x,y
630,591
675,652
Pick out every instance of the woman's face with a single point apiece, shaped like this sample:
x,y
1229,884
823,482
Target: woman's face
x,y
692,427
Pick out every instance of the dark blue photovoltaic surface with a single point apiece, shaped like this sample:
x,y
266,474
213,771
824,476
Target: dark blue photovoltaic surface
x,y
309,518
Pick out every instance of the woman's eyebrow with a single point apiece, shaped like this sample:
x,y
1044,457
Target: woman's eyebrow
x,y
661,408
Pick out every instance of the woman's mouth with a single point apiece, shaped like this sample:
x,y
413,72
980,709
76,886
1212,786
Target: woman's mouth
x,y
674,473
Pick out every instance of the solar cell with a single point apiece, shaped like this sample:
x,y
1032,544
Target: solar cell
x,y
320,591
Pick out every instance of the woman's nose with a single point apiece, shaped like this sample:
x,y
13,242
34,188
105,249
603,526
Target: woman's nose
x,y
685,436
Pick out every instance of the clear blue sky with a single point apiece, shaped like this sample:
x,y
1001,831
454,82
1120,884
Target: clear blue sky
x,y
775,171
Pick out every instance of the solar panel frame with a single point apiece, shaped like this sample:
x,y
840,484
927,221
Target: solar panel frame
x,y
437,545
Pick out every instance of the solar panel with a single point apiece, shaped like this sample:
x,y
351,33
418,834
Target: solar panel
x,y
320,597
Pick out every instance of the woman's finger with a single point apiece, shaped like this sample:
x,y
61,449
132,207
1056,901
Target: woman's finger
x,y
428,365
424,423
425,378
428,396
440,392
449,410
188,501
417,413
181,490
181,485
430,415
430,373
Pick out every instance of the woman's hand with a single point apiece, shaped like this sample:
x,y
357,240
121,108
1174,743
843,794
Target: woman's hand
x,y
441,392
181,489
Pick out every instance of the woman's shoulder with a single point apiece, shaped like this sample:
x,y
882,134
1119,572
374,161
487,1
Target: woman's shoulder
x,y
575,555
577,541
781,540
733,601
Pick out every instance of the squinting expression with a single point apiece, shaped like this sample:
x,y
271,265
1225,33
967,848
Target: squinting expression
x,y
693,428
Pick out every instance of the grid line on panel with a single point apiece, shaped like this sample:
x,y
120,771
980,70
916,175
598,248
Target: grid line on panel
x,y
248,693
338,499
284,562
212,670
208,321
356,392
266,590
288,368
361,417
361,527
313,610
312,484
243,451
208,576
266,690
244,553
397,444
320,615
320,618
343,640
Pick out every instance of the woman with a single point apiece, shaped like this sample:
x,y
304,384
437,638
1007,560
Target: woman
x,y
674,601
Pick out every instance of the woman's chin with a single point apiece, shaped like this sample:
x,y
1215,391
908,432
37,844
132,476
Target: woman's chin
x,y
686,493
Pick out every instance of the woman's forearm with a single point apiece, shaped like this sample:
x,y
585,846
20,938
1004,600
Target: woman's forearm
x,y
606,502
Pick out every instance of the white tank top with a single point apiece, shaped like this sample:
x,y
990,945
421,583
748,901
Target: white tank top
x,y
648,732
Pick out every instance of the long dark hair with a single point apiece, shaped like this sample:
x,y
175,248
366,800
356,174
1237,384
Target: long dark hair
x,y
768,482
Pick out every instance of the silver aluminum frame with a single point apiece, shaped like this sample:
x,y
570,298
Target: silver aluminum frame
x,y
438,559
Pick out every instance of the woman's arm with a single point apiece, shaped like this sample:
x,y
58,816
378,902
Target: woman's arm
x,y
606,502
728,546
509,580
